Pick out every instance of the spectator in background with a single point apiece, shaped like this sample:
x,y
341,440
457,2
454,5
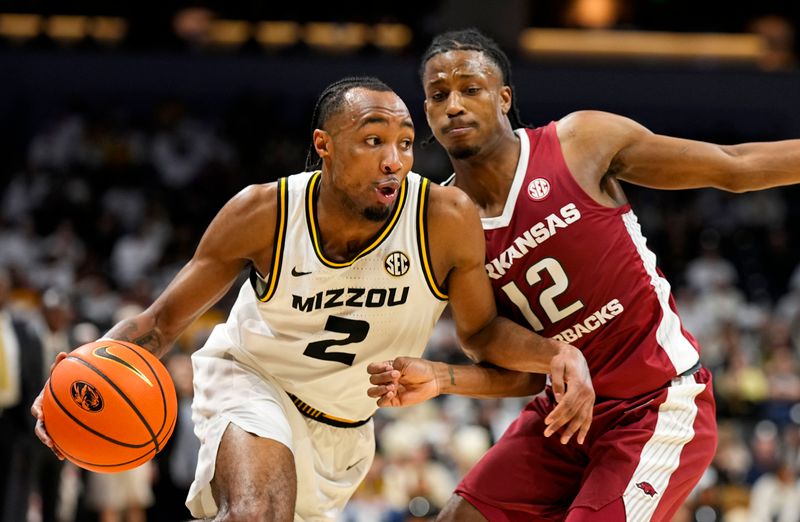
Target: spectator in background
x,y
122,496
177,462
20,381
741,384
410,472
788,306
20,247
776,496
97,300
57,317
765,448
710,271
135,254
784,384
183,147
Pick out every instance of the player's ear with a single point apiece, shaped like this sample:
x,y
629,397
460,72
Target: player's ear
x,y
322,143
505,98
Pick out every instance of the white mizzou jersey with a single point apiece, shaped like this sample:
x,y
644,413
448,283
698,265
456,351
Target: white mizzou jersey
x,y
314,324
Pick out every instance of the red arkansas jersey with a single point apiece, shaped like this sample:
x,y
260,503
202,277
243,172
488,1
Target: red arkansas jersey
x,y
580,272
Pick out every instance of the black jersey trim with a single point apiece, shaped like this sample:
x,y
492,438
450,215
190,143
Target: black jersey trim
x,y
422,241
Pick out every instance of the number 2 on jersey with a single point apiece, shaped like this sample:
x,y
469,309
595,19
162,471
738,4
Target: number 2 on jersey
x,y
548,295
357,331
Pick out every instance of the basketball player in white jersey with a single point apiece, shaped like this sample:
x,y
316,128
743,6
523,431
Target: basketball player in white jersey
x,y
348,264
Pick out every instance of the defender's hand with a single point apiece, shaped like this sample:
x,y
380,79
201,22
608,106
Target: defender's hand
x,y
574,393
402,382
36,411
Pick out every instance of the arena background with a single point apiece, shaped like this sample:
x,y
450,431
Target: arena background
x,y
125,126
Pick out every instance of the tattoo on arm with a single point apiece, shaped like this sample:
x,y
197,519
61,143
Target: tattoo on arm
x,y
452,376
129,331
151,340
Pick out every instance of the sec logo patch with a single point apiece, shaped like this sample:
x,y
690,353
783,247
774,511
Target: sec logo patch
x,y
397,264
538,189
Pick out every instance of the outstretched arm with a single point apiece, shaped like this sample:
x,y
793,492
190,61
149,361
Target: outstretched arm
x,y
229,243
598,143
457,248
407,380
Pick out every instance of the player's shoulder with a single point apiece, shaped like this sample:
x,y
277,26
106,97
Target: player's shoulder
x,y
449,198
253,208
450,206
255,198
591,124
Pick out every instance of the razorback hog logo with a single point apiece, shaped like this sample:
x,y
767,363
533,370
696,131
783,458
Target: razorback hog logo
x,y
86,396
648,489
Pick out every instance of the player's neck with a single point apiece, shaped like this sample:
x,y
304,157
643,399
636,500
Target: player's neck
x,y
344,232
487,176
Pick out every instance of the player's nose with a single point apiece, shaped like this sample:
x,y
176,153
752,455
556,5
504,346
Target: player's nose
x,y
454,104
391,163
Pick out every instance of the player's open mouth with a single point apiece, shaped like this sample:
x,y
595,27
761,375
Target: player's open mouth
x,y
388,191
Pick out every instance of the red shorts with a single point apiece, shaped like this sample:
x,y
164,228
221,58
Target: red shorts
x,y
649,451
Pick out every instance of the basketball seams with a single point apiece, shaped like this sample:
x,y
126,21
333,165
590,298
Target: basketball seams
x,y
157,379
144,458
122,394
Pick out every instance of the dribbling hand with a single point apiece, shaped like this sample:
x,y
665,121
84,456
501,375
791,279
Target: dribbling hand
x,y
36,411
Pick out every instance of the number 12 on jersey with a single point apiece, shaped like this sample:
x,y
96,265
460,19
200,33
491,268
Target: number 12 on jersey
x,y
546,297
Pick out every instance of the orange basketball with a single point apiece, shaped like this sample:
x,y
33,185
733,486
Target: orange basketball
x,y
110,406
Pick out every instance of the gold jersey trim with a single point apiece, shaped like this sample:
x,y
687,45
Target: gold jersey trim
x,y
313,223
265,288
422,241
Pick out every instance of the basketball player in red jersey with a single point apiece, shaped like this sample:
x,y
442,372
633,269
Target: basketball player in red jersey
x,y
567,258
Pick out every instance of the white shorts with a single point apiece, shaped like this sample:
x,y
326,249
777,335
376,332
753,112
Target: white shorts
x,y
330,462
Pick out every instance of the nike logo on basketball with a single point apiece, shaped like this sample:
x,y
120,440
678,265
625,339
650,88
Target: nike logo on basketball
x,y
104,353
296,273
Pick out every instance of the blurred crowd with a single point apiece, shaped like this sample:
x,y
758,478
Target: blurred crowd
x,y
106,209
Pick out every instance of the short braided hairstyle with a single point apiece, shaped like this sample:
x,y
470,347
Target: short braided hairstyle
x,y
473,40
330,103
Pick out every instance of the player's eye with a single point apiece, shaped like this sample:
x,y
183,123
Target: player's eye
x,y
473,90
437,96
407,144
373,141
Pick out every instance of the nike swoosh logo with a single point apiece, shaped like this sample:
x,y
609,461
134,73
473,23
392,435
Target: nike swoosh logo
x,y
298,274
103,353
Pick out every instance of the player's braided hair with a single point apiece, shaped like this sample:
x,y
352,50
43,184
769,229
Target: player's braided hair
x,y
330,103
473,40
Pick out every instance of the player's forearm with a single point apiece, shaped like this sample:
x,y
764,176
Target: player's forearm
x,y
764,165
506,344
142,330
486,382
